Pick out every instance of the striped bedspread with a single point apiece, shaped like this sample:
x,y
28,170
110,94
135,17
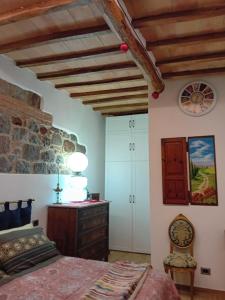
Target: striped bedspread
x,y
122,281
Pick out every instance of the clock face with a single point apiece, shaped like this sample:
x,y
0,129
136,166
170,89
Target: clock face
x,y
197,98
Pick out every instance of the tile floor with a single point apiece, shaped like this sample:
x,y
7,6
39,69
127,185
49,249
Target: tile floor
x,y
135,257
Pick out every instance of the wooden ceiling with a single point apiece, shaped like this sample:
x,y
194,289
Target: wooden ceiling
x,y
75,45
187,38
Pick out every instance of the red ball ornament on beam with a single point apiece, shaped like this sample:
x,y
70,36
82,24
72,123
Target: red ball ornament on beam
x,y
124,47
155,95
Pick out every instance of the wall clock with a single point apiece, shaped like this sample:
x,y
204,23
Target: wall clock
x,y
197,98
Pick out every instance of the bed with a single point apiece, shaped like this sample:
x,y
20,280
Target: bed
x,y
31,268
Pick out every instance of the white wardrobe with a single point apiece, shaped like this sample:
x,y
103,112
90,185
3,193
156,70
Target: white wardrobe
x,y
127,183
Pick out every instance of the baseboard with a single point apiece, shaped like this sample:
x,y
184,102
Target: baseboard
x,y
129,251
200,289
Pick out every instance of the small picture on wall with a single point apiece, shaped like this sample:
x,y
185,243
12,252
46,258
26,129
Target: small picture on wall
x,y
202,167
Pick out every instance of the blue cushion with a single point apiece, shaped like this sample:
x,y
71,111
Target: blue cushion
x,y
5,219
15,218
25,213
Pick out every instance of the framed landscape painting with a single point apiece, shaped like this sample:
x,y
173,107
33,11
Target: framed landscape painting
x,y
202,168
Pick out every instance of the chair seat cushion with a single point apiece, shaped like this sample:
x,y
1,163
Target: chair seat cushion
x,y
180,260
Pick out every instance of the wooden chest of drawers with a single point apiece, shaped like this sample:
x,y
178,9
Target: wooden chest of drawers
x,y
80,230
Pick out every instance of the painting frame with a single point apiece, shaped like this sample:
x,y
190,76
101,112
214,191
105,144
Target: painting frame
x,y
202,170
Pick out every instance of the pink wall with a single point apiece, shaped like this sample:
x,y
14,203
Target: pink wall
x,y
167,120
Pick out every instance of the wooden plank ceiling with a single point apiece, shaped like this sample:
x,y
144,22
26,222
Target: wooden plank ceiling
x,y
69,43
187,38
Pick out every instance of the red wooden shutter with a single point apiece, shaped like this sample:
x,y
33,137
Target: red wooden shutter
x,y
174,171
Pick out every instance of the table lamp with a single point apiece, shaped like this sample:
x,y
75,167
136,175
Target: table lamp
x,y
78,162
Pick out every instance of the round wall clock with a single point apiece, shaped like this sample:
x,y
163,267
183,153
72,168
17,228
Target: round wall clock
x,y
197,98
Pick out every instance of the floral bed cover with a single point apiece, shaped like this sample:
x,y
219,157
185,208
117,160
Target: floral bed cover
x,y
70,278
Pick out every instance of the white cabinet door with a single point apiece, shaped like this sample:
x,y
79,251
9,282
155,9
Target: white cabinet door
x,y
141,208
140,146
118,124
126,175
118,146
118,187
140,122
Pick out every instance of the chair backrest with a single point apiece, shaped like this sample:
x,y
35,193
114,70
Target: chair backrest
x,y
181,233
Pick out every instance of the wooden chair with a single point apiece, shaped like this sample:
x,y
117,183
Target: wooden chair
x,y
181,234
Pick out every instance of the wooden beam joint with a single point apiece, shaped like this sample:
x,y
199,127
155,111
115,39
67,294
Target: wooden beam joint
x,y
116,20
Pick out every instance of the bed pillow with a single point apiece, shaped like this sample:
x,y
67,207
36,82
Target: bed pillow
x,y
28,226
23,249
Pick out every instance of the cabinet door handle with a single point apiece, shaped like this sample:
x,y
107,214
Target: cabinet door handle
x,y
133,199
133,147
130,146
130,124
133,123
130,199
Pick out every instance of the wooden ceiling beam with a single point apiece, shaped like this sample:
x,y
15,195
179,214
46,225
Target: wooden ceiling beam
x,y
117,21
34,8
99,108
114,99
193,72
97,82
191,58
85,70
111,91
70,56
124,113
52,37
178,16
205,37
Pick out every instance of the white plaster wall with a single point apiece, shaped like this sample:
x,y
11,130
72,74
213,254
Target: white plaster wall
x,y
68,114
166,120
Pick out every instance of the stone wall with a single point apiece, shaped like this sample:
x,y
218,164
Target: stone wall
x,y
26,146
28,142
16,92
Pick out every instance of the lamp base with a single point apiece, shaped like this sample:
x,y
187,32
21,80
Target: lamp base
x,y
60,203
58,190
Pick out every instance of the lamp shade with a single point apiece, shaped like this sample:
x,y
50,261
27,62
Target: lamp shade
x,y
77,162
